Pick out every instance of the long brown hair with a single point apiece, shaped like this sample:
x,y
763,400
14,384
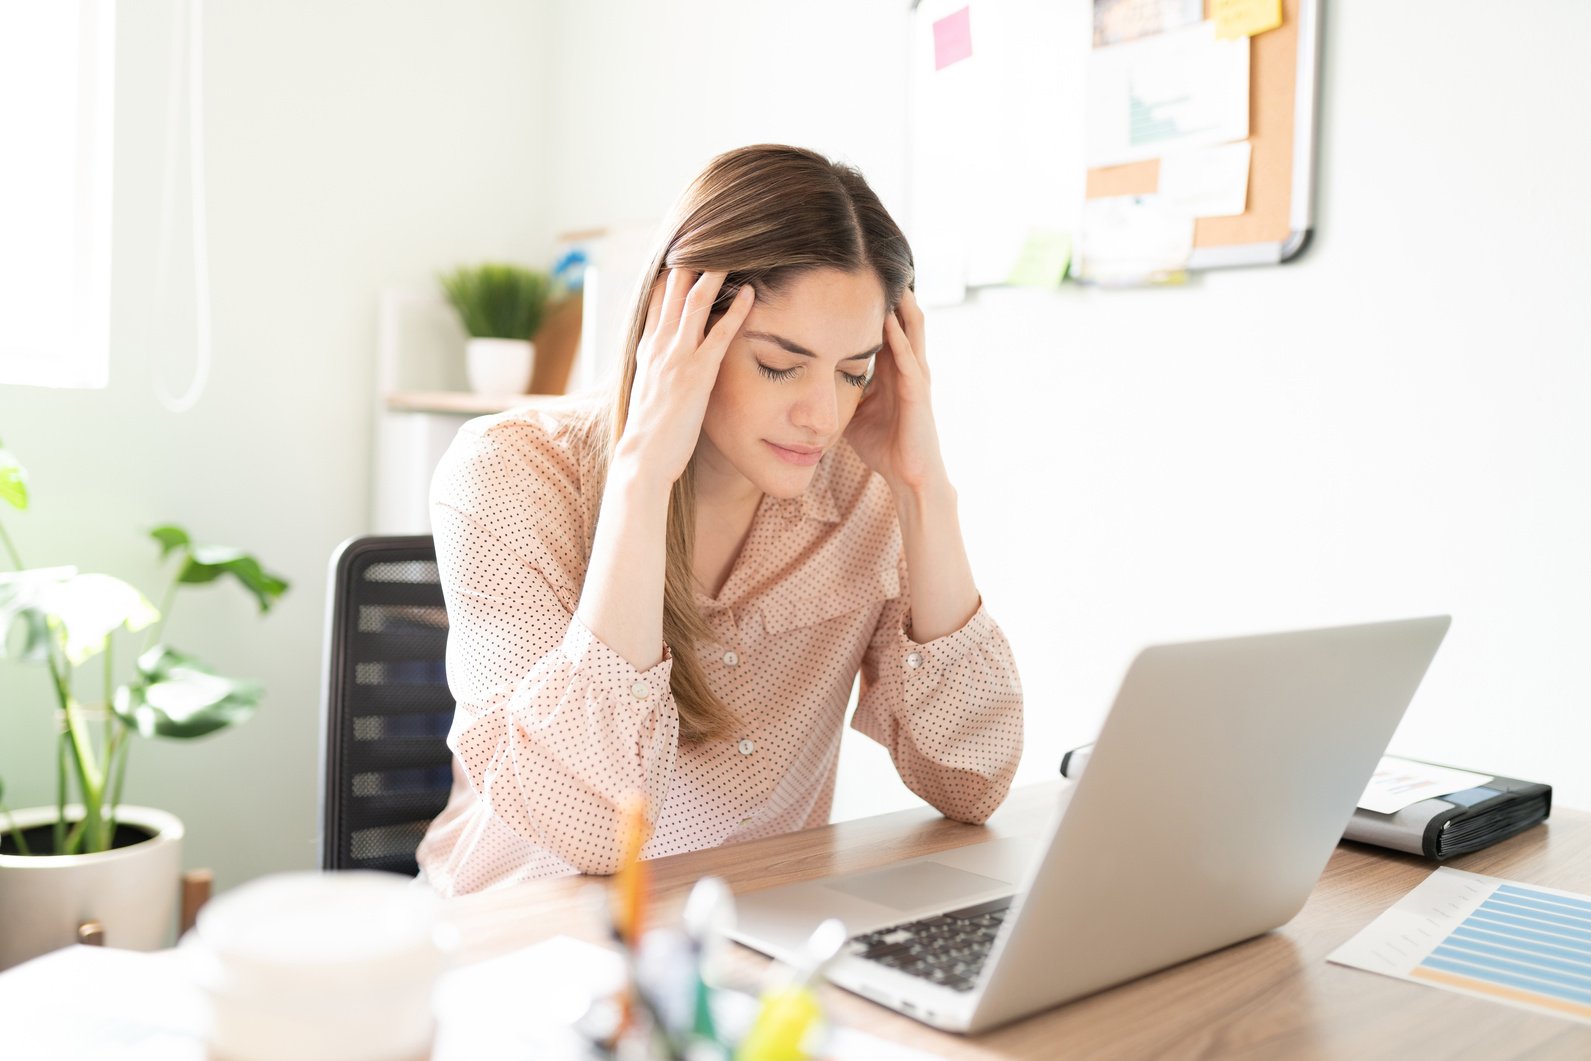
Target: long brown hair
x,y
764,214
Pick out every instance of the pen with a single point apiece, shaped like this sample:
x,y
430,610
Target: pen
x,y
709,911
630,883
627,916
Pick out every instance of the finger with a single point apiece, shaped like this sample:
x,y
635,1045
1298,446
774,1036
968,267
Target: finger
x,y
881,381
698,304
912,321
903,359
679,282
654,307
729,324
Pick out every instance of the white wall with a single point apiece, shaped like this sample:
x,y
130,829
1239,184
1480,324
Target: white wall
x,y
1392,425
352,145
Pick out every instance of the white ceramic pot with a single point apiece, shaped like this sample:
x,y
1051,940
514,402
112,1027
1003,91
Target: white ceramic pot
x,y
499,366
131,891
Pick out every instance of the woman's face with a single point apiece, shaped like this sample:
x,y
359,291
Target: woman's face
x,y
791,380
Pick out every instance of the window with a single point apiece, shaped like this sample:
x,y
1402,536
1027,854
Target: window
x,y
57,74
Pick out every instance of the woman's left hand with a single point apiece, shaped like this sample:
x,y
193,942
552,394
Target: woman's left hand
x,y
893,429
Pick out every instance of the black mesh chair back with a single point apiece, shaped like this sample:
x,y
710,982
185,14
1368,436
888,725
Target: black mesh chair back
x,y
385,766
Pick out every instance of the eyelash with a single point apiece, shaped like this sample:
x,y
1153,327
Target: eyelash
x,y
858,381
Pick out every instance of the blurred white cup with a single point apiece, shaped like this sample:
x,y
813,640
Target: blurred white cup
x,y
319,967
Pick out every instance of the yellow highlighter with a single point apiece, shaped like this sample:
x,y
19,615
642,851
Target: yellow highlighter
x,y
790,1011
785,1019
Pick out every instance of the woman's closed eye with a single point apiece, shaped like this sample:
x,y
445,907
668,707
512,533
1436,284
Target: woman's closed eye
x,y
855,379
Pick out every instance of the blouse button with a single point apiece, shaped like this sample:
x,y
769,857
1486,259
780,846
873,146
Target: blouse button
x,y
914,660
731,658
747,747
640,691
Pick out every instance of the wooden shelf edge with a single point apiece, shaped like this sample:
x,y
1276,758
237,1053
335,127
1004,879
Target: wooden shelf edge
x,y
460,402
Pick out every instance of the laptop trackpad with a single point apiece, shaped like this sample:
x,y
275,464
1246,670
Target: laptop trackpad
x,y
916,886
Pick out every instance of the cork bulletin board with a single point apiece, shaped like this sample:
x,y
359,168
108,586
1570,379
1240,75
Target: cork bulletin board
x,y
1277,220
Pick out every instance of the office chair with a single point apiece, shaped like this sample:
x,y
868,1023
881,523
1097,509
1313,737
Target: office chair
x,y
385,765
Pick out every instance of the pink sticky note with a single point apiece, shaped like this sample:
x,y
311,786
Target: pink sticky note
x,y
953,38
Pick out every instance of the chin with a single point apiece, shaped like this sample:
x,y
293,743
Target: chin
x,y
786,483
780,480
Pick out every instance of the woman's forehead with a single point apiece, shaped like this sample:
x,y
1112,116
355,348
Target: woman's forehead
x,y
841,312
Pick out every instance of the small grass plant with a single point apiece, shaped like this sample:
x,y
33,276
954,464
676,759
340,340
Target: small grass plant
x,y
498,301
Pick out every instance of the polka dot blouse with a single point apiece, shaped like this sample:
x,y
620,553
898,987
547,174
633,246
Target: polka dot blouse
x,y
554,729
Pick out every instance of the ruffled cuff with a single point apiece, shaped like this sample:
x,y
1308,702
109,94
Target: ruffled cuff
x,y
928,656
588,654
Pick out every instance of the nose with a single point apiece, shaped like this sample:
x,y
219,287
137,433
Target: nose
x,y
817,408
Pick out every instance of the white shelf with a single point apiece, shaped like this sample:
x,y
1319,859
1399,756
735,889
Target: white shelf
x,y
462,403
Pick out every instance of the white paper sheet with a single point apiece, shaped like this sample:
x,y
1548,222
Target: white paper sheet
x,y
1132,239
1486,937
1399,783
1170,92
1207,181
101,1004
995,151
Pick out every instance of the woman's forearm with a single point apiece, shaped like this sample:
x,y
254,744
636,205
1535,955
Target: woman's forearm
x,y
622,600
943,595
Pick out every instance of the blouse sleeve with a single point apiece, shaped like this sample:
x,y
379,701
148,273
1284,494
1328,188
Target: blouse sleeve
x,y
553,728
949,710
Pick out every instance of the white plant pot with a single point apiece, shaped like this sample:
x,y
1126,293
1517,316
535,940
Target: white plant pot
x,y
499,366
131,891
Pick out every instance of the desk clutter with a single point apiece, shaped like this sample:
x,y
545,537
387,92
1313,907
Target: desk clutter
x,y
674,1001
1425,809
358,966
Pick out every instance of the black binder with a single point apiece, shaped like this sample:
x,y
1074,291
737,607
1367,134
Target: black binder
x,y
1457,823
1439,828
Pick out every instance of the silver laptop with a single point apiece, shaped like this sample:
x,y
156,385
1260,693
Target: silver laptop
x,y
1224,776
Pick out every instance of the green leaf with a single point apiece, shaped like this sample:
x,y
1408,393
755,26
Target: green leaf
x,y
209,562
171,537
77,611
177,696
13,481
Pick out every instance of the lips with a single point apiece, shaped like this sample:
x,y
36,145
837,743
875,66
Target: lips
x,y
800,456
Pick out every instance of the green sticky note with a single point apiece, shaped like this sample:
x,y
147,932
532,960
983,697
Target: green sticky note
x,y
1043,260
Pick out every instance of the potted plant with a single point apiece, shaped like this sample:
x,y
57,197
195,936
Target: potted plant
x,y
501,307
90,858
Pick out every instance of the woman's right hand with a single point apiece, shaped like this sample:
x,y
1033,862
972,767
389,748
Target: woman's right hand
x,y
676,367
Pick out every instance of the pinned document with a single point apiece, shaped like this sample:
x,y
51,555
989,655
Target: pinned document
x,y
1118,21
1132,239
1517,944
1170,92
1207,181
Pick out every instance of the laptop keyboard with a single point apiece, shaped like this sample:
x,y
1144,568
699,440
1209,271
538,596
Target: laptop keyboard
x,y
947,949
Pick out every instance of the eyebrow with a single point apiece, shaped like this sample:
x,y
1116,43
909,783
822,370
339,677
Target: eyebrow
x,y
797,348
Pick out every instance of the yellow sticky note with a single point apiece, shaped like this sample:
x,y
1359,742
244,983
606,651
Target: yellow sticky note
x,y
1043,260
1244,18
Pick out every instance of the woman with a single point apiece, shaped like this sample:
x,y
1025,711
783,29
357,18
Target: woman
x,y
674,595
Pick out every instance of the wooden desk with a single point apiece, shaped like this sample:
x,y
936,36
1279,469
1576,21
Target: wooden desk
x,y
1273,996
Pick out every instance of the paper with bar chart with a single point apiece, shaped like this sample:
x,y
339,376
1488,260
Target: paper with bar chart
x,y
1483,936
